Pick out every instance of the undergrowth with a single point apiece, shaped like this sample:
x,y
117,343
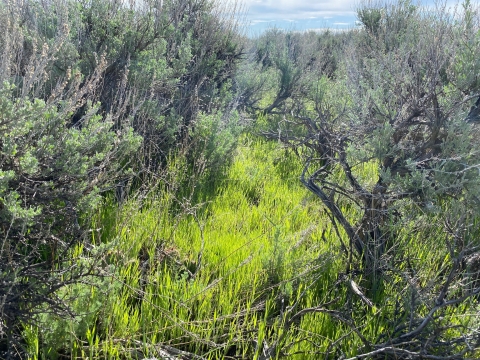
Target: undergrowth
x,y
219,278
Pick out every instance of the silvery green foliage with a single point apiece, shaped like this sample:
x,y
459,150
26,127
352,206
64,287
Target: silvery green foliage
x,y
390,144
52,175
93,93
166,61
286,67
409,102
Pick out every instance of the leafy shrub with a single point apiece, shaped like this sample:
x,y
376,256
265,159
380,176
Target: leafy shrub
x,y
389,148
93,94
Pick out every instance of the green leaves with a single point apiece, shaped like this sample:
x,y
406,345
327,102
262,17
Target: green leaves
x,y
52,175
370,18
465,68
28,163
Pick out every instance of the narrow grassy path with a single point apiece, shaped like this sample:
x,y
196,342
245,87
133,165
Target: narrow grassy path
x,y
211,279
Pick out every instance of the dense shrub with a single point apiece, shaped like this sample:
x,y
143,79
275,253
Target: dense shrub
x,y
284,66
397,105
166,61
93,94
52,175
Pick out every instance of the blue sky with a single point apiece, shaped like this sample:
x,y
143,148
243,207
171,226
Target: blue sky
x,y
299,14
302,14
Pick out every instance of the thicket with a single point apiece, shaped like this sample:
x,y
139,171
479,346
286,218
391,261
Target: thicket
x,y
138,219
95,97
398,102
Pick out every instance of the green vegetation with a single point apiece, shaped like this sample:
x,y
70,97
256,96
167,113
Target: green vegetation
x,y
207,279
172,190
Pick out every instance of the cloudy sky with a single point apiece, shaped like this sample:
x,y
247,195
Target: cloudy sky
x,y
299,14
302,14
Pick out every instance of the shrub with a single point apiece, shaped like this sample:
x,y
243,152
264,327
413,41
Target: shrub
x,y
91,95
390,151
53,173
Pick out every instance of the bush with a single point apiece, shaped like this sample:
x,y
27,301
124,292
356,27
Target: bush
x,y
389,148
93,94
52,175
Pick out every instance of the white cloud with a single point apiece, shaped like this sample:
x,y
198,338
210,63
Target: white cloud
x,y
308,9
334,30
298,9
253,22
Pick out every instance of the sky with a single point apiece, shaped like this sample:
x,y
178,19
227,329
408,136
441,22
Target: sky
x,y
302,15
299,14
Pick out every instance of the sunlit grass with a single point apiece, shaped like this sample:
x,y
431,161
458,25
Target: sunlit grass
x,y
219,278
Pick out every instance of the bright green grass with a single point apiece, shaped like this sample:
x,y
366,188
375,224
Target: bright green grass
x,y
217,274
210,279
218,278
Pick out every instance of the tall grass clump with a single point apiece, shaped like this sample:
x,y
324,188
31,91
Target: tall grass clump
x,y
214,279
